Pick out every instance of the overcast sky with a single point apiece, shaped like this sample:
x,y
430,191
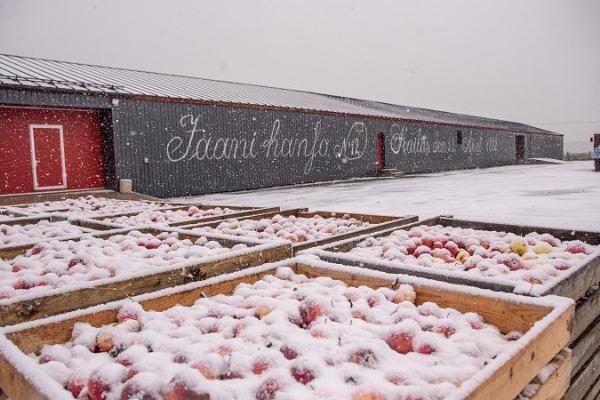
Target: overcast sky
x,y
534,61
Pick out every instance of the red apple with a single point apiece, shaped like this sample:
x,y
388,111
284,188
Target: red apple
x,y
288,353
310,311
400,342
268,389
178,390
425,349
302,375
259,367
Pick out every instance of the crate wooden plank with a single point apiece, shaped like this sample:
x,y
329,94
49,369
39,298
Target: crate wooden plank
x,y
594,393
556,384
378,222
503,381
586,312
52,304
585,345
586,378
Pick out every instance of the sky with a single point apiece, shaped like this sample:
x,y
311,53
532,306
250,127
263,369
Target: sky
x,y
535,61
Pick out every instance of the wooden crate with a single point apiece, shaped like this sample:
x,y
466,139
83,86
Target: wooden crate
x,y
239,212
502,378
23,207
259,252
378,222
581,285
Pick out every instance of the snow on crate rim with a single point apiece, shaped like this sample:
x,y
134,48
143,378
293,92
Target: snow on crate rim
x,y
116,304
53,390
551,301
255,248
523,288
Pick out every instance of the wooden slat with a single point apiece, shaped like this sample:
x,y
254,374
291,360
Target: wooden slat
x,y
585,345
594,393
557,383
586,312
585,379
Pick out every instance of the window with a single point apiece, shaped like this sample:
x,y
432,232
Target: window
x,y
459,137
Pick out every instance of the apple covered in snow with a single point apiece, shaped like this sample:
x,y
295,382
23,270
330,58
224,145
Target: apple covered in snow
x,y
57,264
534,258
169,216
14,235
283,337
292,228
90,206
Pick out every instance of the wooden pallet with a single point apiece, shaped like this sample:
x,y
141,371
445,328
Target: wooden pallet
x,y
239,212
378,222
579,286
13,312
500,379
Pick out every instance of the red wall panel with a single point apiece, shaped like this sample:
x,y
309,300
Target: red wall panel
x,y
82,146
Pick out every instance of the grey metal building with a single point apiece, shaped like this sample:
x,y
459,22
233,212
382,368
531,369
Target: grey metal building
x,y
72,126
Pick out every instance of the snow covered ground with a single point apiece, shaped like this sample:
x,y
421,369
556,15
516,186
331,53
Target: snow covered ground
x,y
564,195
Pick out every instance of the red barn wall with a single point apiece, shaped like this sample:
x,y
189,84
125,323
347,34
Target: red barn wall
x,y
82,147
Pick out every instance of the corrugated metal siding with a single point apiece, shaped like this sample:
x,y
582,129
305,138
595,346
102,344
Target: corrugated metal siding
x,y
141,129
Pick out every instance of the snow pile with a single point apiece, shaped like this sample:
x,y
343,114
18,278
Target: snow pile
x,y
534,258
291,228
63,264
90,206
14,235
285,336
169,216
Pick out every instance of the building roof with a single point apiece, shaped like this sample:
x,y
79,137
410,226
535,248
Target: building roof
x,y
36,73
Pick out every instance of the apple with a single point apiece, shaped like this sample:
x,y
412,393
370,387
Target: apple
x,y
205,369
400,342
268,389
262,311
104,341
302,375
364,357
133,391
75,385
310,311
425,349
260,366
519,246
445,330
288,353
462,255
422,250
542,248
368,395
97,389
178,390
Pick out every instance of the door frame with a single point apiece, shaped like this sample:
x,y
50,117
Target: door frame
x,y
32,127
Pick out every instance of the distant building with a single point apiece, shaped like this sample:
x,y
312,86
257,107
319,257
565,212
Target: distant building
x,y
70,126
